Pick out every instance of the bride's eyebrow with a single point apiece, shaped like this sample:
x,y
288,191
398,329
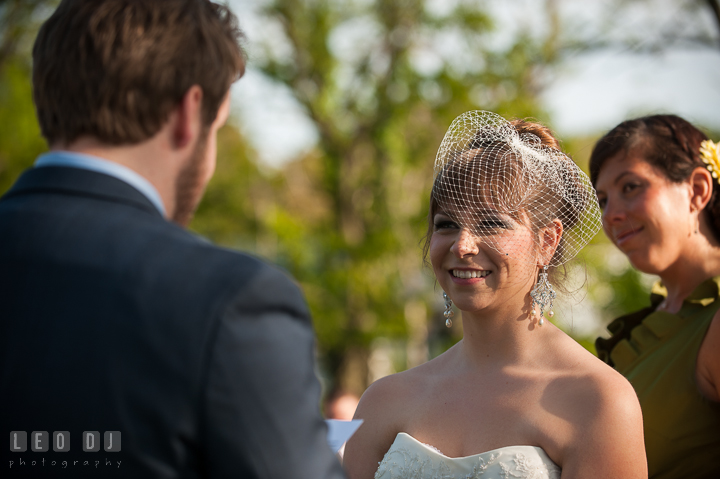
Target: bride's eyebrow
x,y
449,212
493,214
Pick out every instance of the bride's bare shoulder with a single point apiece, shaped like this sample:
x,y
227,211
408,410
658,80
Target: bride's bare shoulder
x,y
386,408
393,394
603,409
594,377
588,387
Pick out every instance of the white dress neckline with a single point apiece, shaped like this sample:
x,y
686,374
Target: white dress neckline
x,y
439,452
409,458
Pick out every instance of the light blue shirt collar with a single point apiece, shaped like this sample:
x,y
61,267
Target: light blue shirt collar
x,y
99,165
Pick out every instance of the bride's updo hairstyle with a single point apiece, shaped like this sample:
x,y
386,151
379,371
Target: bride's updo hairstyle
x,y
667,142
488,168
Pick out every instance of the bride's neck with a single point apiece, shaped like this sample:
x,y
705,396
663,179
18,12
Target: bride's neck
x,y
506,336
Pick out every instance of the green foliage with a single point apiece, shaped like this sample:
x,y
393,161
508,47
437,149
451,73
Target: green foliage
x,y
20,139
381,86
377,80
237,197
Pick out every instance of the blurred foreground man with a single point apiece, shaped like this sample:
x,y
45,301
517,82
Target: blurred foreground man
x,y
128,346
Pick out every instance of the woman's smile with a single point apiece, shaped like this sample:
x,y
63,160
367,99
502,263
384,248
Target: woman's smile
x,y
625,235
473,272
469,276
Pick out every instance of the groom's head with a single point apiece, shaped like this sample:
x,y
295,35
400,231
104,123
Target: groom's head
x,y
116,71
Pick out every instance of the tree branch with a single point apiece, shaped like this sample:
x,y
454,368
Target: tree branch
x,y
716,10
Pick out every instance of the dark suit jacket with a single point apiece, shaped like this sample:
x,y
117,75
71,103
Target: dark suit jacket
x,y
113,319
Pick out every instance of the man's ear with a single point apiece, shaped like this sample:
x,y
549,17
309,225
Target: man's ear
x,y
186,119
701,185
549,240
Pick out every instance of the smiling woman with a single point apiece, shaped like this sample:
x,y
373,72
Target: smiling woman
x,y
657,184
492,175
511,399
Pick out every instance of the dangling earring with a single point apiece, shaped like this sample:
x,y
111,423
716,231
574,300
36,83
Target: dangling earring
x,y
449,313
542,295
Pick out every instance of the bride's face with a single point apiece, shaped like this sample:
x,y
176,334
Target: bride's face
x,y
483,272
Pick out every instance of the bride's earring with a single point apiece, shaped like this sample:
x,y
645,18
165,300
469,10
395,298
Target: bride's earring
x,y
449,313
542,295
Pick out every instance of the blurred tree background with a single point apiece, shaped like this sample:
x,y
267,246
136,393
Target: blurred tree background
x,y
380,80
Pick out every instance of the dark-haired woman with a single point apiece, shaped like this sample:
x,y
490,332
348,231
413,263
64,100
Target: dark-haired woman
x,y
657,182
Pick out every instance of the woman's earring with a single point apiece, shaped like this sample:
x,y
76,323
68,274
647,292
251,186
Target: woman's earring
x,y
542,295
695,220
449,313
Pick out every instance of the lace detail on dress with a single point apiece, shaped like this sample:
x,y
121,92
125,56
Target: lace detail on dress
x,y
411,459
410,466
525,469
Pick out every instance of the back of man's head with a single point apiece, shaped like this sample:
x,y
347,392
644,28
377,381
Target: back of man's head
x,y
115,69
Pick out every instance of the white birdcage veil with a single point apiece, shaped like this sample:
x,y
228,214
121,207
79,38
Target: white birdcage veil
x,y
489,178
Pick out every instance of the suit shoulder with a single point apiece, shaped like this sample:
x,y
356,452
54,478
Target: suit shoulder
x,y
205,255
221,274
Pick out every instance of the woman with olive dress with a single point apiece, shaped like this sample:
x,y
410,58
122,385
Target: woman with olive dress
x,y
657,183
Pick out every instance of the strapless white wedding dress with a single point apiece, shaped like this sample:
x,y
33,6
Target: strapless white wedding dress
x,y
409,458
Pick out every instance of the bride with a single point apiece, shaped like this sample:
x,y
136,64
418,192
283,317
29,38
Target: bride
x,y
516,397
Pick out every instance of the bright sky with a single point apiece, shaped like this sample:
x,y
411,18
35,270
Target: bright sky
x,y
599,90
590,93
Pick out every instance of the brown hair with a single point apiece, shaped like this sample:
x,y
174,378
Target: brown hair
x,y
667,142
476,152
115,69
